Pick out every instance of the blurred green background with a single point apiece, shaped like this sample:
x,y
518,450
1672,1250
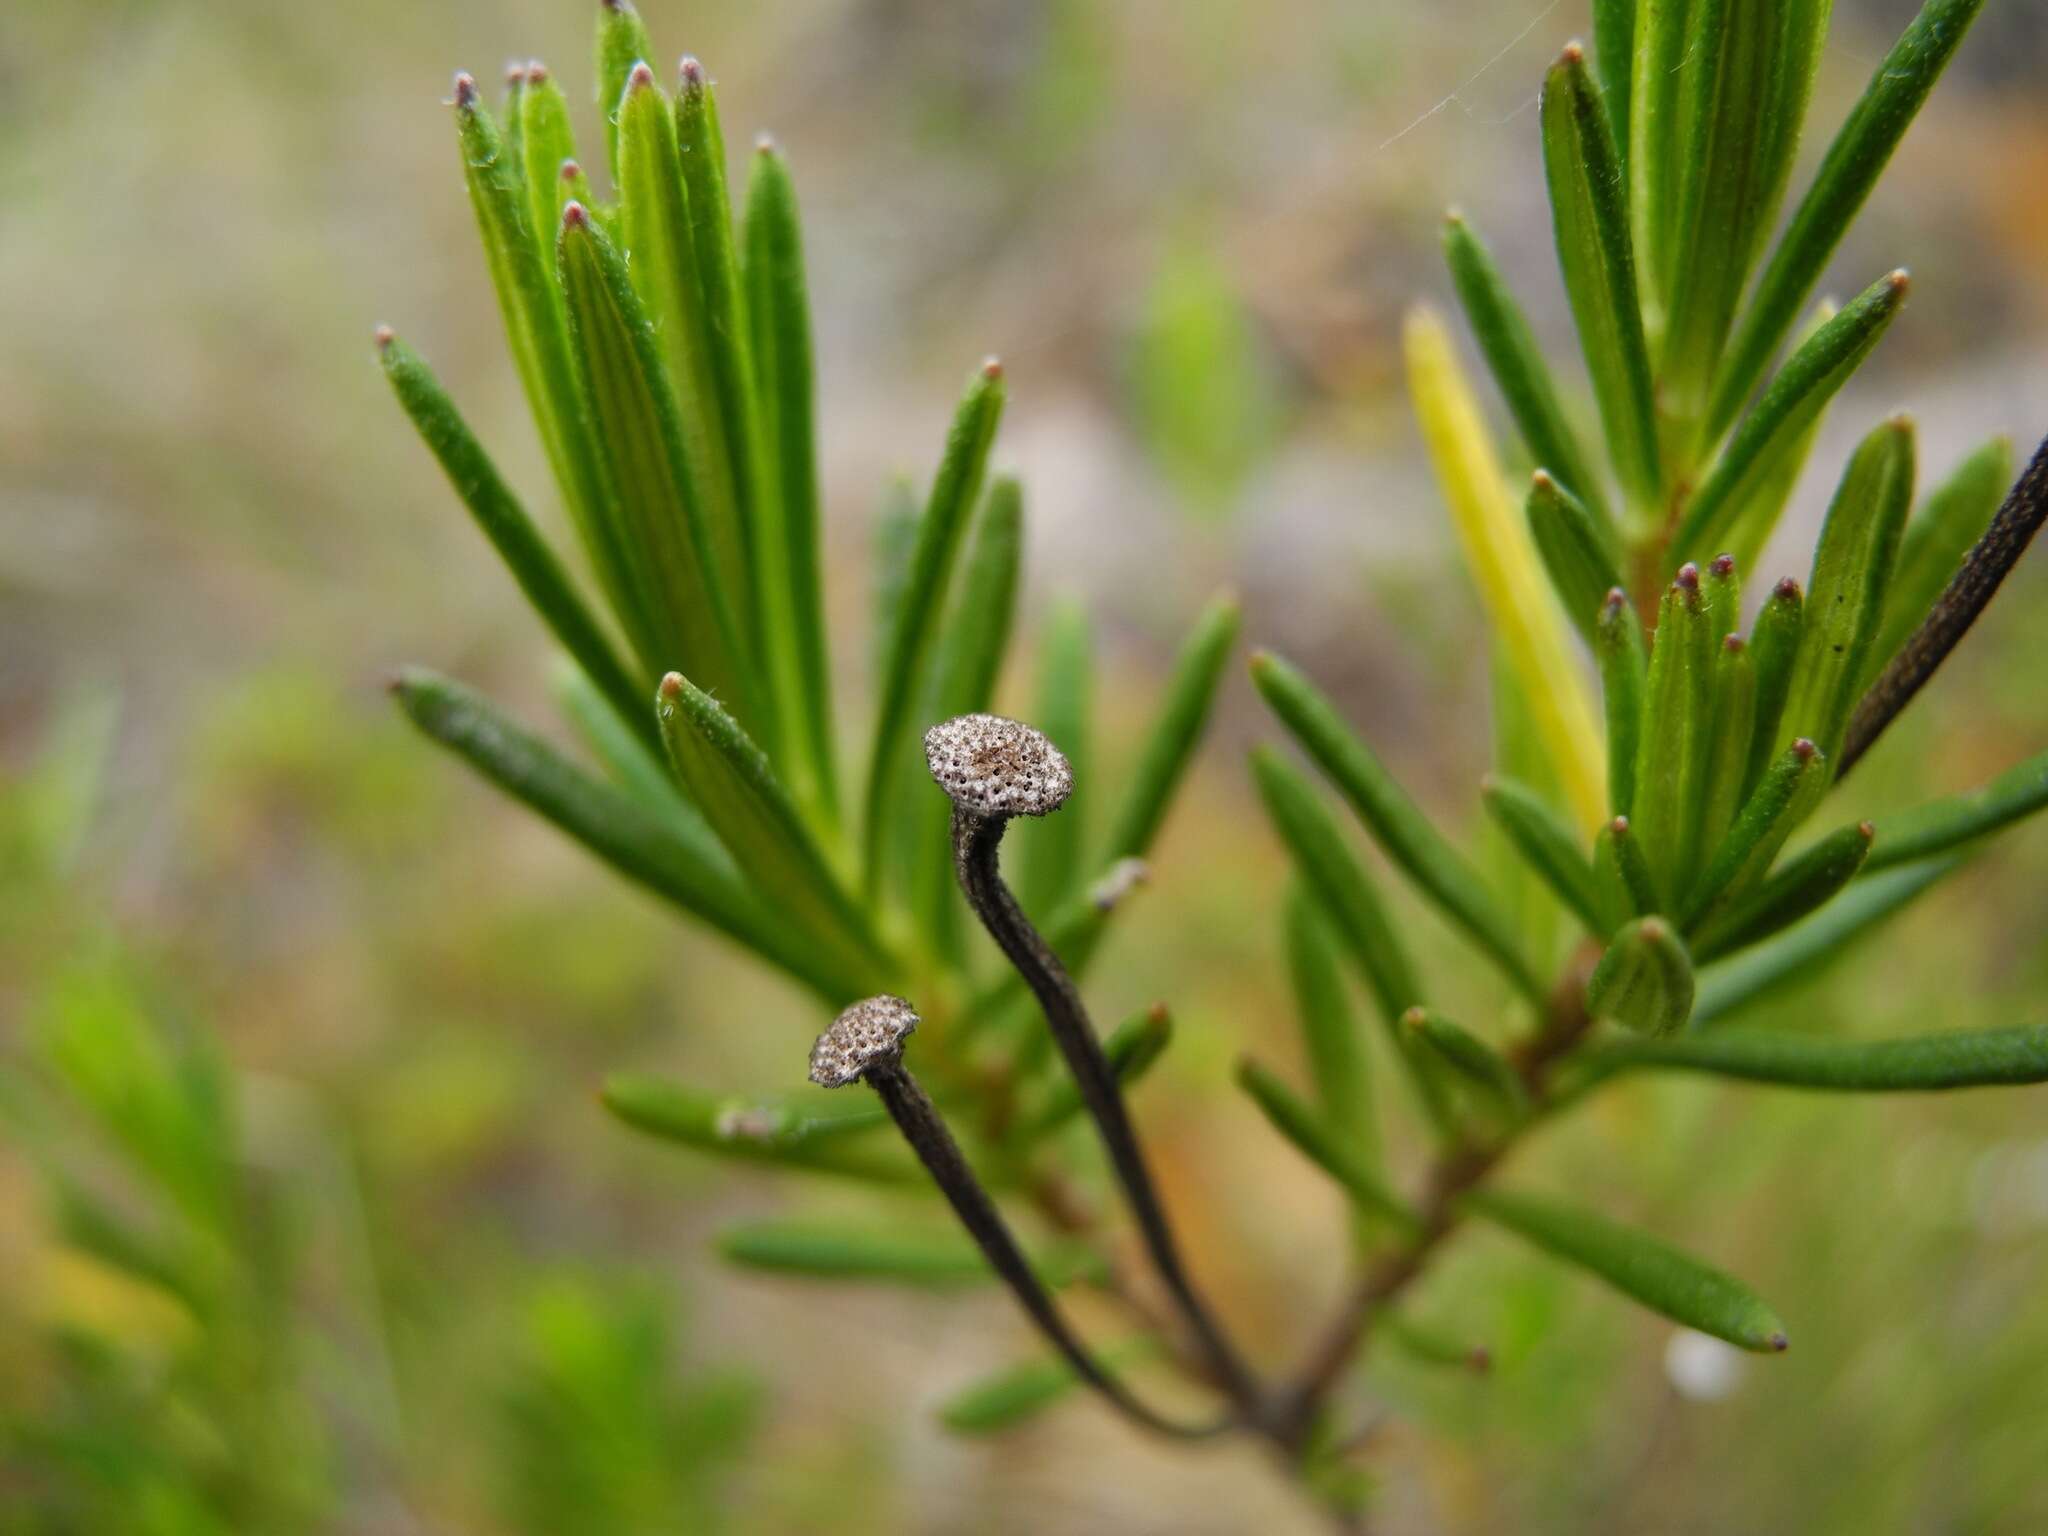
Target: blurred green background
x,y
459,1297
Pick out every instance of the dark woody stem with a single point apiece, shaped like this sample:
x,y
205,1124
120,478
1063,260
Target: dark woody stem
x,y
1965,597
975,840
916,1116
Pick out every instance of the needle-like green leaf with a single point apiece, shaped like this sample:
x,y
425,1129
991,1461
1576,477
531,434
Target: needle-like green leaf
x,y
1659,1276
1579,551
1845,595
730,779
1955,820
511,532
747,1130
1747,72
955,491
1773,647
1805,884
1800,952
1940,533
1732,714
1177,729
1354,909
969,654
676,856
1614,54
1854,161
1395,821
1435,1346
1785,413
660,226
622,42
1778,471
1048,860
650,493
1590,213
1305,1131
1917,1064
929,1260
1022,1392
1618,646
1671,763
1783,798
1656,149
1337,1059
1523,377
530,304
1621,876
1546,843
546,145
1645,979
790,590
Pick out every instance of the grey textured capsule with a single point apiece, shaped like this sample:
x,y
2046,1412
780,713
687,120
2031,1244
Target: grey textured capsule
x,y
998,767
869,1033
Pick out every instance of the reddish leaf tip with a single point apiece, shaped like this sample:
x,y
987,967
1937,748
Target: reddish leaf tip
x,y
571,171
1804,749
1899,280
991,367
517,72
1788,589
1618,826
672,686
1688,579
1722,565
1542,480
383,335
640,77
1574,52
1480,1360
1866,830
1414,1018
1655,929
691,71
575,215
1734,645
764,144
465,91
1779,1343
536,72
1156,1014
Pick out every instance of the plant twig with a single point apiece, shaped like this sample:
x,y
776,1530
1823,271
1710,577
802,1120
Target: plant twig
x,y
1965,597
865,1043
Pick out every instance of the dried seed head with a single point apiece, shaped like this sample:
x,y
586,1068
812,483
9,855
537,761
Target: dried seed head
x,y
869,1034
998,767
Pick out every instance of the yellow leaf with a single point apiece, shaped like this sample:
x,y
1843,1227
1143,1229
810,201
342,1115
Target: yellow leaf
x,y
1502,559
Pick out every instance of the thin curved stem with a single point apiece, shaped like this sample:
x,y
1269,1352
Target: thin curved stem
x,y
1986,565
916,1116
975,841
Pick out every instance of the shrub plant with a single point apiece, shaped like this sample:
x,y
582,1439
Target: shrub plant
x,y
664,346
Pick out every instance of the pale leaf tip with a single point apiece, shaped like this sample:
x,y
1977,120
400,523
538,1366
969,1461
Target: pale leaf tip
x,y
1898,280
1415,1018
991,367
383,335
1618,826
516,72
764,144
536,72
1543,482
1574,53
672,685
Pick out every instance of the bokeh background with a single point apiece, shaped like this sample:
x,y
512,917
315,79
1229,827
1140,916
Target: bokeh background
x,y
1190,228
